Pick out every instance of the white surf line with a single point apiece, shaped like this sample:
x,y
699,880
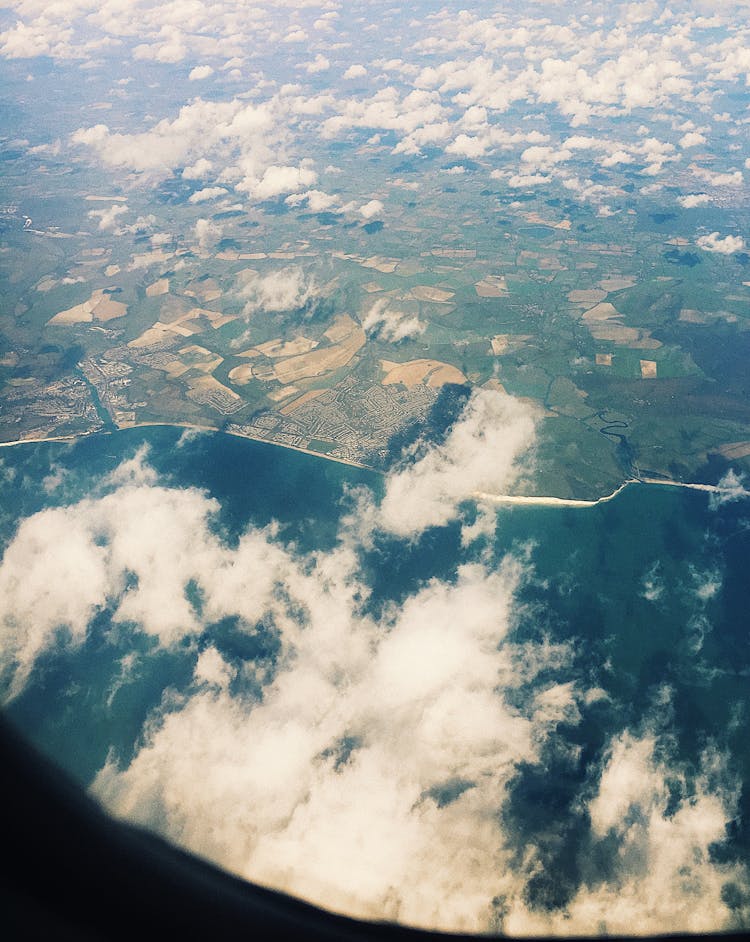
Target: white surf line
x,y
572,502
711,488
548,501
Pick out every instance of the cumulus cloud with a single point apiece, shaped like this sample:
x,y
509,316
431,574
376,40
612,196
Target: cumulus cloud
x,y
381,723
519,181
207,234
454,102
295,36
714,178
730,487
315,200
46,592
108,217
354,708
371,768
355,71
198,170
692,139
241,138
200,72
465,145
371,208
727,245
664,819
544,158
481,454
287,289
692,200
319,64
391,324
207,193
387,109
277,180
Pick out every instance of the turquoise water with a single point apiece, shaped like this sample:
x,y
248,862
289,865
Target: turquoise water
x,y
589,564
254,483
650,589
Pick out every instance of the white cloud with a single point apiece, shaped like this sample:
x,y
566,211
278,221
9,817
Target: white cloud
x,y
315,200
431,133
544,158
211,668
481,454
387,109
467,146
198,170
706,583
108,217
727,245
207,234
133,471
278,806
664,819
169,48
477,72
355,71
200,72
370,209
615,158
44,590
241,138
691,200
277,180
712,178
319,64
390,324
207,193
284,290
692,139
166,146
376,773
520,181
731,487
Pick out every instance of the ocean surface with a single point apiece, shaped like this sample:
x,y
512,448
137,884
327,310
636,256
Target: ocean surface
x,y
648,594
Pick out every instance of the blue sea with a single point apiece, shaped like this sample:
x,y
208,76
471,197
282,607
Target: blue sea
x,y
640,603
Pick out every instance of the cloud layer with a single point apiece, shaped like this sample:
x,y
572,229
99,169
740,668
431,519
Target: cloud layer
x,y
371,759
476,84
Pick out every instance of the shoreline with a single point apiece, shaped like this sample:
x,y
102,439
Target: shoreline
x,y
187,426
541,501
580,502
482,496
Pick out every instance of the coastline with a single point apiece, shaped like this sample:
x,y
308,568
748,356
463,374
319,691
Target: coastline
x,y
734,493
541,501
481,496
187,426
